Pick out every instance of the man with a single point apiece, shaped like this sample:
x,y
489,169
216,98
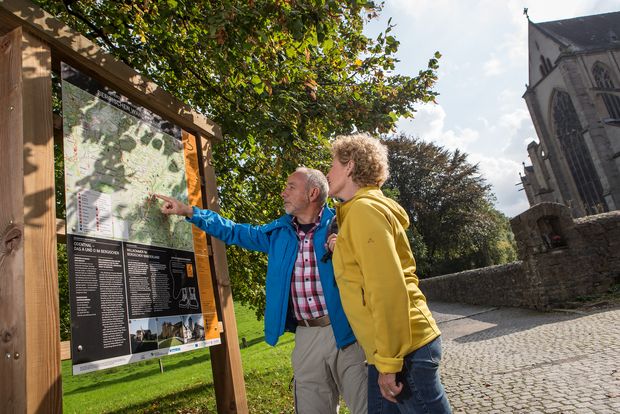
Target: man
x,y
301,292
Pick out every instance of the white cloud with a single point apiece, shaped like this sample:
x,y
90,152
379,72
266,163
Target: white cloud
x,y
429,125
514,120
509,98
493,67
503,174
422,8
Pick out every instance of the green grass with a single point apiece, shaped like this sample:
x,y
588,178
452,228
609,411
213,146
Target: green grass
x,y
170,342
186,385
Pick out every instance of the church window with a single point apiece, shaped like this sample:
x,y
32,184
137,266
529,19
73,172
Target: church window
x,y
604,82
568,131
545,66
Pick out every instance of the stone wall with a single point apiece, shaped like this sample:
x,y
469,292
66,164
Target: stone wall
x,y
561,259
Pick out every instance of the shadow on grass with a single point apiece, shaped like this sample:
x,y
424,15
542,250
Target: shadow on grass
x,y
251,342
189,400
267,391
139,374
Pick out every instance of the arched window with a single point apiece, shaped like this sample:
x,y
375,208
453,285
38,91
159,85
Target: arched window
x,y
545,65
604,82
568,132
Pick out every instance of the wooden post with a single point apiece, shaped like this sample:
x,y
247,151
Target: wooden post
x,y
226,357
12,307
41,268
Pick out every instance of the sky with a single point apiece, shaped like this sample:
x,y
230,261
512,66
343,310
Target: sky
x,y
482,77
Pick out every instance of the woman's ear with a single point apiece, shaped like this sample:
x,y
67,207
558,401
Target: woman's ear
x,y
350,167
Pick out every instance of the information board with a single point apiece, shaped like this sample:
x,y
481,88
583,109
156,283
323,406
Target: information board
x,y
140,281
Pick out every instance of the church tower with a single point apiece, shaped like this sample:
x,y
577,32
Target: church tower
x,y
573,97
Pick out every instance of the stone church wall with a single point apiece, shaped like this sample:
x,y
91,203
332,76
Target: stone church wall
x,y
561,259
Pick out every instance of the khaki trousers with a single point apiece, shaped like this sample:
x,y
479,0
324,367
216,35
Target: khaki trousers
x,y
323,372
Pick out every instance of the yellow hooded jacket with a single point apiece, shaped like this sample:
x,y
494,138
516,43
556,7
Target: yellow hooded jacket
x,y
375,272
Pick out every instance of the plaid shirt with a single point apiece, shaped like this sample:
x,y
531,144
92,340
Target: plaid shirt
x,y
306,289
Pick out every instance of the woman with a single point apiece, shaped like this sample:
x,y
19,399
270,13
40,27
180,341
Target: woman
x,y
375,272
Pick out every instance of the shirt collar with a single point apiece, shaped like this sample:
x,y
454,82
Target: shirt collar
x,y
316,222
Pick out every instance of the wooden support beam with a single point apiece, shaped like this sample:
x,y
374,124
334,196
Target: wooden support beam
x,y
225,358
41,268
65,350
12,291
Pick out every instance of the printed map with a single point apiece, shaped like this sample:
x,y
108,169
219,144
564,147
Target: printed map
x,y
114,161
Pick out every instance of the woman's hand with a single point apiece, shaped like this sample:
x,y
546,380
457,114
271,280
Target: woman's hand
x,y
331,242
389,388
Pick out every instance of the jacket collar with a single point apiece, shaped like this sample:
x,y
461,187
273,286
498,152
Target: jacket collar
x,y
287,219
365,192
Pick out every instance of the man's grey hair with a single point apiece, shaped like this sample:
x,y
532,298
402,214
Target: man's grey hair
x,y
315,179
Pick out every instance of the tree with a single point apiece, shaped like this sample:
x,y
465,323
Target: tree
x,y
280,76
454,224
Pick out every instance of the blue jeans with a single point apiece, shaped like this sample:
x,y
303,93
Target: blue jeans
x,y
422,389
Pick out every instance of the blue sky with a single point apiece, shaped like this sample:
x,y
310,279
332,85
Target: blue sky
x,y
482,77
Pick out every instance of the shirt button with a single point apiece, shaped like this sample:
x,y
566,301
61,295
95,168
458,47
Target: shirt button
x,y
309,299
306,242
307,280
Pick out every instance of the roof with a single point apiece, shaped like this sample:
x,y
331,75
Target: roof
x,y
600,31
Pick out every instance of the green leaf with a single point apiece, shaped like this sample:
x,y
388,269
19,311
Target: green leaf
x,y
327,45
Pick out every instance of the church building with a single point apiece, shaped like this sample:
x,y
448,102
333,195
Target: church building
x,y
573,97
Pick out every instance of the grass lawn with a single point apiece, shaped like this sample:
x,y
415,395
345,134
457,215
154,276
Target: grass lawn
x,y
170,342
186,385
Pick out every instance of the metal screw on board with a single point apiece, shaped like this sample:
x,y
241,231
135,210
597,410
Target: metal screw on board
x,y
8,355
17,355
79,348
11,108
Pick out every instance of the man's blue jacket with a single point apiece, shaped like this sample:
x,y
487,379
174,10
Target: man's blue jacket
x,y
279,240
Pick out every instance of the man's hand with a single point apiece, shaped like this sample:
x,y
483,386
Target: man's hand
x,y
174,206
389,388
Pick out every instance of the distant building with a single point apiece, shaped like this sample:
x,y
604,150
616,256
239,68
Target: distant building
x,y
573,97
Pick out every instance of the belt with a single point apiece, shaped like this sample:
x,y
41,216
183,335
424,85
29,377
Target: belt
x,y
322,321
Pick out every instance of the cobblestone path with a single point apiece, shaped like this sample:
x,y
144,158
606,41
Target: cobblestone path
x,y
505,360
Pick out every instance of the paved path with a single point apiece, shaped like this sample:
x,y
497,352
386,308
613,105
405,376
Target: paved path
x,y
510,360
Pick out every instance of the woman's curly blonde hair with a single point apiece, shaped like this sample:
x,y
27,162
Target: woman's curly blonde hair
x,y
369,155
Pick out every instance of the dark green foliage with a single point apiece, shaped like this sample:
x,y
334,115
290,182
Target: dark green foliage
x,y
454,225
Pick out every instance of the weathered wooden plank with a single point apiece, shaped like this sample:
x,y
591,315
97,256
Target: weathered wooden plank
x,y
225,358
71,46
12,293
65,350
41,268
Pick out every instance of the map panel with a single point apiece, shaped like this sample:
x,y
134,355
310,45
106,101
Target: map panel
x,y
114,162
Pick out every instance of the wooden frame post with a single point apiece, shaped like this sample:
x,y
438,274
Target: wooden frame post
x,y
41,266
29,327
12,307
225,358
